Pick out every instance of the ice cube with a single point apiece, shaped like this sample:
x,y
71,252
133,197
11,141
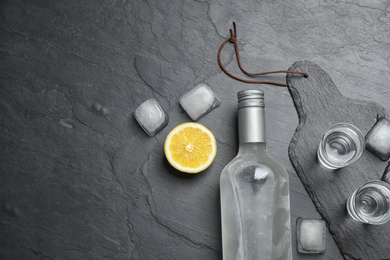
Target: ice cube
x,y
151,117
386,174
199,101
378,139
311,235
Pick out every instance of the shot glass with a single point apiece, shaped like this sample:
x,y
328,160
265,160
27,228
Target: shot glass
x,y
370,203
341,145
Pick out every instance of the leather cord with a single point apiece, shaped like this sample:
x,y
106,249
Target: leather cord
x,y
233,39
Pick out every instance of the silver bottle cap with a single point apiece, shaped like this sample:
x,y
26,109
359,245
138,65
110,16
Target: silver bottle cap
x,y
251,116
250,98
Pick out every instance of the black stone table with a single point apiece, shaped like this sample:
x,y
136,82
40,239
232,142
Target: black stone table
x,y
81,180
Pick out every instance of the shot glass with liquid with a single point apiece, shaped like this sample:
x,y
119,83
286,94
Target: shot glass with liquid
x,y
341,145
370,204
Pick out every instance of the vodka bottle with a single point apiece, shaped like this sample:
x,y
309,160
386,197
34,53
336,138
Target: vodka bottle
x,y
255,201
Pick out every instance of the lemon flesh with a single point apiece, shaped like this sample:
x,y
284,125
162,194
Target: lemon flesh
x,y
190,147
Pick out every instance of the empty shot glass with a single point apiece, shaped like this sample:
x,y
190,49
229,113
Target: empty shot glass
x,y
341,145
370,204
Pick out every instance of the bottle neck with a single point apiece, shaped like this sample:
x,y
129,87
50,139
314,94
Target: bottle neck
x,y
252,149
251,125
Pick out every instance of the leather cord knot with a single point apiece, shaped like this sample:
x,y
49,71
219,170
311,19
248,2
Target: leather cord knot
x,y
233,36
233,39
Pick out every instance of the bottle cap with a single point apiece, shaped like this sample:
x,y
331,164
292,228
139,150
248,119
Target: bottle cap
x,y
250,98
251,116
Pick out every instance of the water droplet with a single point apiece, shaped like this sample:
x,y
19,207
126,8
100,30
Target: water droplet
x,y
99,109
64,123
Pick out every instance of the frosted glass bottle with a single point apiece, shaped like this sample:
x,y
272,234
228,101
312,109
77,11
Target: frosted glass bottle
x,y
255,200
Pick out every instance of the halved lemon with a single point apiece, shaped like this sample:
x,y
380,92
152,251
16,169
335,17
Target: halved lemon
x,y
190,147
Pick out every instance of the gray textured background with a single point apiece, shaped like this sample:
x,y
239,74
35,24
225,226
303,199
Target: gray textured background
x,y
79,177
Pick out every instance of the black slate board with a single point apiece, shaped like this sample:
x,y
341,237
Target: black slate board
x,y
320,104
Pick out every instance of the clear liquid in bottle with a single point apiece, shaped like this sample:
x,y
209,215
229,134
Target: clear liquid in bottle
x,y
255,205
